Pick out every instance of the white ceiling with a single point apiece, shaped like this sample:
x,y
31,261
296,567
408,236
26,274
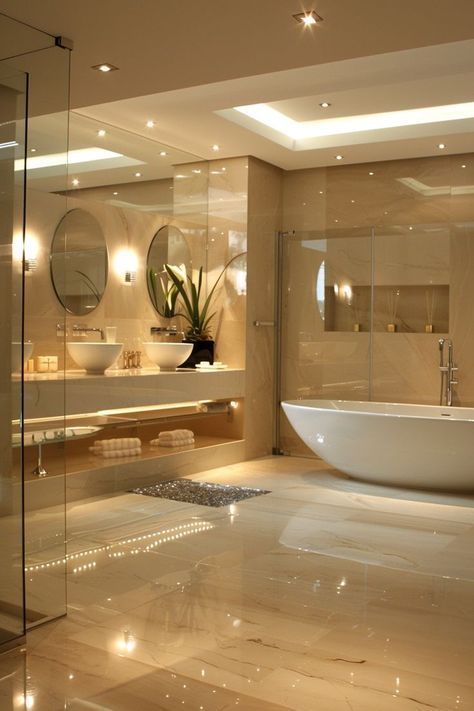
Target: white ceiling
x,y
196,118
163,45
187,64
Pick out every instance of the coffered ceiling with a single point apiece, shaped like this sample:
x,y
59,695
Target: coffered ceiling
x,y
187,66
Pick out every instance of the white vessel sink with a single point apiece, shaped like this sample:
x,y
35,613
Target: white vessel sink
x,y
16,355
168,355
94,357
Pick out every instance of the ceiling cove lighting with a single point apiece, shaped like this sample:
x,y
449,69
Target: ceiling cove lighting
x,y
9,144
308,18
300,130
105,67
81,155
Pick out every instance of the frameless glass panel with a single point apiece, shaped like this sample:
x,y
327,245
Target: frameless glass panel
x,y
13,108
325,319
44,453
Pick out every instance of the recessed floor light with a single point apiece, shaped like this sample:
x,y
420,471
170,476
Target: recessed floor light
x,y
215,147
339,157
441,146
325,104
308,18
163,153
150,123
104,67
101,132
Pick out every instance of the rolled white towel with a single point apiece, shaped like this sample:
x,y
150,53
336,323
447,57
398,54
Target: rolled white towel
x,y
175,434
109,453
177,443
112,454
118,443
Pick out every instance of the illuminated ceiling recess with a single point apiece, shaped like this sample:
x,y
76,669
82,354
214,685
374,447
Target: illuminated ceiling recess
x,y
266,121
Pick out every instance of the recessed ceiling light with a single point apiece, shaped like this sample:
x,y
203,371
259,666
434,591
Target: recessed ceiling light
x,y
104,67
115,193
75,181
196,171
464,165
163,153
101,132
325,104
371,172
339,157
308,18
441,146
410,228
150,123
215,147
138,175
32,150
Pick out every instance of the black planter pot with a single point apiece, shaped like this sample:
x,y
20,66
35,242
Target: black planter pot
x,y
202,351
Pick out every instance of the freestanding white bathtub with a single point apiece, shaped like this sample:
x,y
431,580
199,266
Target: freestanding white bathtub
x,y
420,446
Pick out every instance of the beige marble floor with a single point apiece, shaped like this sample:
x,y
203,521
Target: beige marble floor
x,y
325,595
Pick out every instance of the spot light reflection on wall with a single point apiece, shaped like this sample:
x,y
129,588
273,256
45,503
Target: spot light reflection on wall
x,y
126,265
29,248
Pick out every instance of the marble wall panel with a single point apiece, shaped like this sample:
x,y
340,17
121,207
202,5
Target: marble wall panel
x,y
264,220
421,212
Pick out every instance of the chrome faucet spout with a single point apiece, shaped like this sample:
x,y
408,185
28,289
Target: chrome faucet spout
x,y
77,330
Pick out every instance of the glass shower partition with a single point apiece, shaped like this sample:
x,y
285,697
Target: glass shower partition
x,y
13,115
325,321
34,88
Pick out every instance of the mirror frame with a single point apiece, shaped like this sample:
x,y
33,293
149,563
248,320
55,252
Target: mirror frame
x,y
167,225
106,279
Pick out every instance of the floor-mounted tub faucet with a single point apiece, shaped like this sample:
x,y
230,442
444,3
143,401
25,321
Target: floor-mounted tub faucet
x,y
447,369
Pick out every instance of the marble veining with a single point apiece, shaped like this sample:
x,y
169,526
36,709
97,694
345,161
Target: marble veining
x,y
325,594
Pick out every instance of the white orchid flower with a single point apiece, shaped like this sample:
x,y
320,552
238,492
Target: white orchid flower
x,y
179,271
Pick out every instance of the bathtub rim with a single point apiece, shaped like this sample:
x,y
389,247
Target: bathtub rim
x,y
449,415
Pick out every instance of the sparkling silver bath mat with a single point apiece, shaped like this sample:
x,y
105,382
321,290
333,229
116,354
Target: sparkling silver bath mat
x,y
199,492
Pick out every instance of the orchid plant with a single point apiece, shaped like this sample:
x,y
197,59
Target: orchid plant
x,y
196,314
163,292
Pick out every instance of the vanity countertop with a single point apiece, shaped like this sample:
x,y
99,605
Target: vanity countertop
x,y
45,393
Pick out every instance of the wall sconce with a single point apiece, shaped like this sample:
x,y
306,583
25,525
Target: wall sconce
x,y
28,250
126,265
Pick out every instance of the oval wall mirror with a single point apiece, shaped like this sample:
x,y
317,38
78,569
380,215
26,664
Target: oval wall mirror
x,y
79,262
168,246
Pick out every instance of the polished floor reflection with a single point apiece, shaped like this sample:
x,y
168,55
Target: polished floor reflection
x,y
326,594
